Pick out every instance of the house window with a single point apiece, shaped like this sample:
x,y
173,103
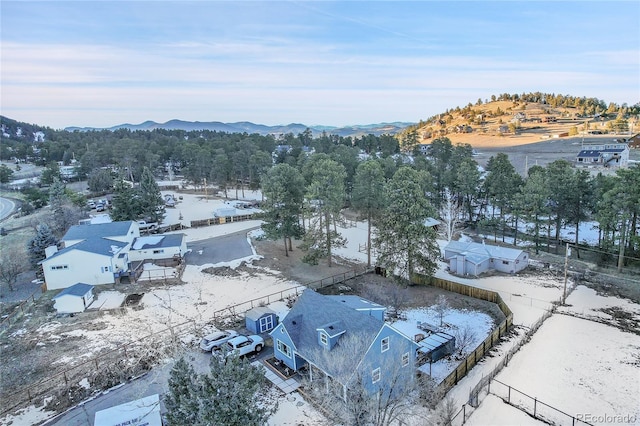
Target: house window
x,y
405,359
158,251
375,375
58,267
105,269
323,339
283,348
384,344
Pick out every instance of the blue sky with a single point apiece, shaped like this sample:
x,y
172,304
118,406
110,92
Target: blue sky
x,y
92,63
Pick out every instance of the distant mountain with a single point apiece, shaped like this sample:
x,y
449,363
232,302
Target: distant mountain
x,y
248,127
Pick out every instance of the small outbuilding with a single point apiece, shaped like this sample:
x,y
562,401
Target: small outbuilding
x,y
260,320
141,412
73,299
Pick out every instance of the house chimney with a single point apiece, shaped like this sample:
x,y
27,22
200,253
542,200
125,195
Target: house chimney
x,y
50,251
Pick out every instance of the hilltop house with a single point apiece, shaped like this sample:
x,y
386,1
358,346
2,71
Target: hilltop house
x,y
344,341
466,258
605,155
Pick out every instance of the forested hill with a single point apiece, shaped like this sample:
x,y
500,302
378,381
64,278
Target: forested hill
x,y
260,129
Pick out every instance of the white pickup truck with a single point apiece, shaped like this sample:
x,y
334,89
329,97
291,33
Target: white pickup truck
x,y
147,226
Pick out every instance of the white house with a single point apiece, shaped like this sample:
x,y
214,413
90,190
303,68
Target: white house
x,y
94,261
473,258
73,299
605,155
158,247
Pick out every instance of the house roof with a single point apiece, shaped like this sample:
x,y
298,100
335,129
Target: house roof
x,y
356,302
157,241
100,230
79,289
476,251
313,311
258,312
589,153
101,246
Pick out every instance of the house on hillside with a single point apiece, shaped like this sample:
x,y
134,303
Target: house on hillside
x,y
91,253
468,258
344,342
604,155
94,261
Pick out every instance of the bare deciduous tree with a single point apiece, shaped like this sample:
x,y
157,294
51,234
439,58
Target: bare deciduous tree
x,y
12,264
441,307
450,211
464,338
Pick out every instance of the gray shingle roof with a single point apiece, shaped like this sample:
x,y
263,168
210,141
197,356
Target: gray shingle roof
x,y
97,230
79,289
313,311
483,250
589,153
101,246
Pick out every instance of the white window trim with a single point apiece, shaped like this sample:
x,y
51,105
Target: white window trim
x,y
324,339
405,359
280,344
59,267
375,373
382,344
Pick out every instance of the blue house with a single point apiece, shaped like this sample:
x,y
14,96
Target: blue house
x,y
344,341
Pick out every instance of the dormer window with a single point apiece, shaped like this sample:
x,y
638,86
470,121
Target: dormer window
x,y
323,339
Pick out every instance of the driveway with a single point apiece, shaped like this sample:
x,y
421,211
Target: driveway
x,y
219,249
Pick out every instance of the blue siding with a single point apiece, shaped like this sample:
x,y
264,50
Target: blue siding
x,y
390,361
280,334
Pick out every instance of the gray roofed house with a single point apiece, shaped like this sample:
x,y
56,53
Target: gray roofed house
x,y
606,155
342,342
101,246
158,247
469,258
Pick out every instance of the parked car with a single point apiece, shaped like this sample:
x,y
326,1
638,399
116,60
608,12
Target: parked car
x,y
91,204
215,340
244,345
99,207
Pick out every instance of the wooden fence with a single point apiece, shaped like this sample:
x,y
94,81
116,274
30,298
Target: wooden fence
x,y
221,220
481,350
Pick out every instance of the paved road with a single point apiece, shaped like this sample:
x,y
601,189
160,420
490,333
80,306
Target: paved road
x,y
6,207
219,249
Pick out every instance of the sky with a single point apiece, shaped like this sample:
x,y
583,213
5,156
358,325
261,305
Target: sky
x,y
99,64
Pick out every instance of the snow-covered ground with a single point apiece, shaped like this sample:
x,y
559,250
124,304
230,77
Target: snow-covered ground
x,y
574,364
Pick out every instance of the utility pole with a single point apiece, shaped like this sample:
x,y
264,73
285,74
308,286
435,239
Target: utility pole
x,y
566,272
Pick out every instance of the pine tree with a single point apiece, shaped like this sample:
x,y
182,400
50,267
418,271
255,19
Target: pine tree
x,y
233,393
181,399
36,247
124,203
150,199
283,187
405,245
367,195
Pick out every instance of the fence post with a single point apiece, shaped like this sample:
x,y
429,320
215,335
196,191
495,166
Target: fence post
x,y
489,387
66,381
509,395
464,413
535,403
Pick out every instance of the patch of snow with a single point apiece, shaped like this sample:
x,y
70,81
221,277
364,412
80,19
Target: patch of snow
x,y
28,416
108,300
